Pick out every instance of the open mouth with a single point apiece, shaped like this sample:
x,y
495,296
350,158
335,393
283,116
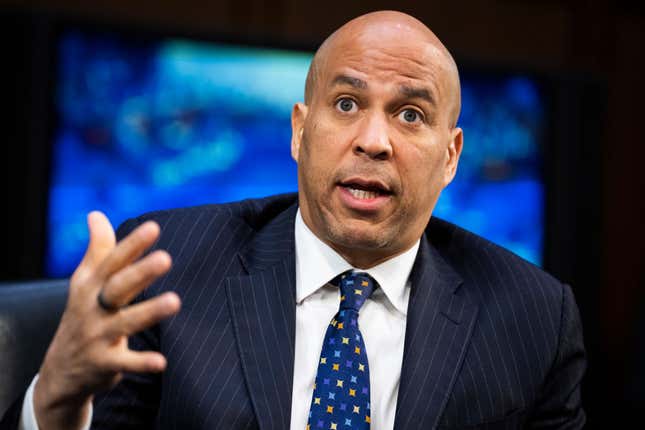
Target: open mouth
x,y
365,190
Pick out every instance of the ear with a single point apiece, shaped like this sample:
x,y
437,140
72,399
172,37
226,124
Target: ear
x,y
298,116
454,152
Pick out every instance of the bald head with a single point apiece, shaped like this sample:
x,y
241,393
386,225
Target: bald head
x,y
390,26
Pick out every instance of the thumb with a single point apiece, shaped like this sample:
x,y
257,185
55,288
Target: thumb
x,y
102,239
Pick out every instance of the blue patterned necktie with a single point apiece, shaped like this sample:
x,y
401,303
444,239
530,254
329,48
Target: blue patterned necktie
x,y
341,398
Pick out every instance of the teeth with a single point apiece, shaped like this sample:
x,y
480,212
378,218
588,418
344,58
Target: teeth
x,y
362,194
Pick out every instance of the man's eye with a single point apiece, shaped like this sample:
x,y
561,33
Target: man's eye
x,y
410,115
346,105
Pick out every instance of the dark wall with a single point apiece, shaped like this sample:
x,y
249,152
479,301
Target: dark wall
x,y
599,42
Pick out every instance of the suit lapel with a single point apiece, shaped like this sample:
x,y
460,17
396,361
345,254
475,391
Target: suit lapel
x,y
439,326
262,306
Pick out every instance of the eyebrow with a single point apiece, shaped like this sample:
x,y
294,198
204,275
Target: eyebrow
x,y
348,80
406,90
417,93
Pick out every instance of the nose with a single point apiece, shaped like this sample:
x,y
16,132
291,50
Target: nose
x,y
373,138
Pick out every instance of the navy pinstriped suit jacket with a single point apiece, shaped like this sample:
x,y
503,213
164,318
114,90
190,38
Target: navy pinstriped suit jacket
x,y
492,342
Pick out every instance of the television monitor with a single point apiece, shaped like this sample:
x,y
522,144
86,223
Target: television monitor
x,y
152,123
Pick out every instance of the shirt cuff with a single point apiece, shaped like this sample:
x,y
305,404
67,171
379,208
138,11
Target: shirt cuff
x,y
28,416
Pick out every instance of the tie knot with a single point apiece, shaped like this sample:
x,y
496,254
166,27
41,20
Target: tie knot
x,y
355,288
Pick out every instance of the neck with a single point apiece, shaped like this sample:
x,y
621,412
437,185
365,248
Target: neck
x,y
364,258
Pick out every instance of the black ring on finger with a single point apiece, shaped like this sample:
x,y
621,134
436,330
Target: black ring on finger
x,y
105,305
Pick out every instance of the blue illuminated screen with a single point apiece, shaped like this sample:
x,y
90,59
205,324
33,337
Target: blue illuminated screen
x,y
145,125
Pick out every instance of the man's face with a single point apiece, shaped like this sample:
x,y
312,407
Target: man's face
x,y
376,144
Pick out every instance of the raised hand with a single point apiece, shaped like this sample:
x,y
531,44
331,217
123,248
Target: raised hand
x,y
90,350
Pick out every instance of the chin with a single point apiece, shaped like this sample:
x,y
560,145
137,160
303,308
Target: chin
x,y
359,237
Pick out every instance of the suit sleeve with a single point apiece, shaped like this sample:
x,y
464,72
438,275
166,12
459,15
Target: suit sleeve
x,y
134,402
560,404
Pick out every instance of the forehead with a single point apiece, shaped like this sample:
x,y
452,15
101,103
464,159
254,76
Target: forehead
x,y
389,56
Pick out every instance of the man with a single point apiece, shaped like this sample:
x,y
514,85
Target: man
x,y
457,332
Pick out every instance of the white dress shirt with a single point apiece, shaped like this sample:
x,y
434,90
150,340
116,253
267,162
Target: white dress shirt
x,y
381,320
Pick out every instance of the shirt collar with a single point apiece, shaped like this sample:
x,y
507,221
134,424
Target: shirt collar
x,y
317,264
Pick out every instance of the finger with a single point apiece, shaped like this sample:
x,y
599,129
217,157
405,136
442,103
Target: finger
x,y
125,284
102,239
140,316
137,361
130,248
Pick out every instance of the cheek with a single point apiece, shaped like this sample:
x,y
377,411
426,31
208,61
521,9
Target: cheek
x,y
422,174
318,158
326,145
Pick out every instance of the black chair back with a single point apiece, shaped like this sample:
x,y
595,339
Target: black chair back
x,y
29,316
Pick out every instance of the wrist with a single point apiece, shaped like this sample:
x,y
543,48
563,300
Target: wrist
x,y
55,409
